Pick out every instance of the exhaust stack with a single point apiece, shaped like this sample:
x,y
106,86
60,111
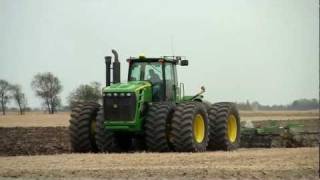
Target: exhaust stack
x,y
115,68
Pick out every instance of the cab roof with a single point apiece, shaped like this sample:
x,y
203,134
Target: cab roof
x,y
169,59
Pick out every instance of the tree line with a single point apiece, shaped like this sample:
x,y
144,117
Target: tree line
x,y
48,87
12,91
299,104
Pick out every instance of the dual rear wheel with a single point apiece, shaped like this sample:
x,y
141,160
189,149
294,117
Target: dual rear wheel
x,y
192,127
182,128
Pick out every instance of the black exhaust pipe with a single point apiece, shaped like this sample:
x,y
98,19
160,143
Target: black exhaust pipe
x,y
116,67
108,69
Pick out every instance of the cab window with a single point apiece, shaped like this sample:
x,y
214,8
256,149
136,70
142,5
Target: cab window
x,y
135,72
145,71
153,73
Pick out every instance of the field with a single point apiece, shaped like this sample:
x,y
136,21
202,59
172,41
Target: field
x,y
252,164
35,146
40,119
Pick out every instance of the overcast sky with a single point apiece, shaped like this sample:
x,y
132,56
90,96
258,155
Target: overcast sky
x,y
266,50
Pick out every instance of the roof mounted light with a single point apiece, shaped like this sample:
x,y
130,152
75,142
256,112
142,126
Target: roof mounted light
x,y
141,56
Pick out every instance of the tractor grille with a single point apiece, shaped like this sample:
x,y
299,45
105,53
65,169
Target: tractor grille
x,y
119,108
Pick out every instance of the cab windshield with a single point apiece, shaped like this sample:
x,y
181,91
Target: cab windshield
x,y
146,71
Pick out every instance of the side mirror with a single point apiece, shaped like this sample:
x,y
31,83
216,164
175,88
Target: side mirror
x,y
184,62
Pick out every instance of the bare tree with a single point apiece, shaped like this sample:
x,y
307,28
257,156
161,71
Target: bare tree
x,y
85,92
4,94
47,86
19,98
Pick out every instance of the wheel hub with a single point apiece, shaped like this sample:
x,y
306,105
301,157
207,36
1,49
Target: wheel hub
x,y
198,128
232,128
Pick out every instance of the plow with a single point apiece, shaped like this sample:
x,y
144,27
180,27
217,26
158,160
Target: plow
x,y
273,134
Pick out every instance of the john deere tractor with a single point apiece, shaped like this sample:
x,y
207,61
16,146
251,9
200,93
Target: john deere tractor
x,y
151,112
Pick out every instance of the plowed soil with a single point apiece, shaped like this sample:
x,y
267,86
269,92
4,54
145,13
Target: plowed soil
x,y
295,163
36,146
34,141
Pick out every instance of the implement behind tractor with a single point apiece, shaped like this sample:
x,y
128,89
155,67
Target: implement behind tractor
x,y
150,112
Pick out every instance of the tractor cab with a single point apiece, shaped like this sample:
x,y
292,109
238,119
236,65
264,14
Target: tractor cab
x,y
160,72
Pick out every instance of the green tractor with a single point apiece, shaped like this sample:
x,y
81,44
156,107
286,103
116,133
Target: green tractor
x,y
150,112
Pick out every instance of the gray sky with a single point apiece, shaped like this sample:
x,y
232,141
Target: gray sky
x,y
264,50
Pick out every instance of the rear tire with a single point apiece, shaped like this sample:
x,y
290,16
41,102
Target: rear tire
x,y
82,127
157,126
189,135
224,134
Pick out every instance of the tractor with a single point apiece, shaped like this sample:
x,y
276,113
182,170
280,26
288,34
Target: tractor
x,y
151,112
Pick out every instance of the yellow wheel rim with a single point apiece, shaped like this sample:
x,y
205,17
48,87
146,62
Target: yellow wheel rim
x,y
232,128
198,128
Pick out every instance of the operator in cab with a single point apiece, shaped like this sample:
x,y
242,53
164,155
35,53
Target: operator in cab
x,y
156,81
154,78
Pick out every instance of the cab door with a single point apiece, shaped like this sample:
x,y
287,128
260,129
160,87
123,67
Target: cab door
x,y
170,82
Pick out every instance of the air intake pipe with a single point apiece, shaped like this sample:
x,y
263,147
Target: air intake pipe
x,y
116,67
108,70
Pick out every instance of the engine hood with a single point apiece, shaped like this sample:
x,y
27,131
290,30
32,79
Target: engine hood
x,y
131,86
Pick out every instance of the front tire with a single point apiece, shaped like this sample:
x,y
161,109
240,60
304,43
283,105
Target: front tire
x,y
82,127
157,126
104,138
190,127
73,127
